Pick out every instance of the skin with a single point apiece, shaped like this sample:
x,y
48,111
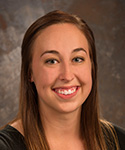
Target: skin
x,y
61,61
61,69
67,66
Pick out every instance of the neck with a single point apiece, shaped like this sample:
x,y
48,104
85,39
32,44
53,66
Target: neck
x,y
61,124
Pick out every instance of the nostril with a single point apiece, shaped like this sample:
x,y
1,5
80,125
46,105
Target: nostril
x,y
66,73
66,76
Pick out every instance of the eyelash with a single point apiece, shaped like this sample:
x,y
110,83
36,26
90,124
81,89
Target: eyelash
x,y
81,59
50,61
75,60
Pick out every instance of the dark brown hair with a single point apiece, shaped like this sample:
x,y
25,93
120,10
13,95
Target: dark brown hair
x,y
91,127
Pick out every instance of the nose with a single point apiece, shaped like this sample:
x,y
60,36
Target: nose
x,y
66,73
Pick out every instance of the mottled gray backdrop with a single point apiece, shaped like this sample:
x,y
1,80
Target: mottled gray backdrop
x,y
107,20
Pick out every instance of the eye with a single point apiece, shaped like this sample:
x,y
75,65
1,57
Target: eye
x,y
51,61
78,59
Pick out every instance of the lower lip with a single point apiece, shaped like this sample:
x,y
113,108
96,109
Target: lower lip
x,y
69,96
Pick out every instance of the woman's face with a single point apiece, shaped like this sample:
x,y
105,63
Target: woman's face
x,y
61,68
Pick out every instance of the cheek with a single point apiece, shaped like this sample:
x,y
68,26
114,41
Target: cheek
x,y
84,74
46,77
85,78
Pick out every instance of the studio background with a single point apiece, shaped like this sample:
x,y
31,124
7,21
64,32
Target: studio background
x,y
107,20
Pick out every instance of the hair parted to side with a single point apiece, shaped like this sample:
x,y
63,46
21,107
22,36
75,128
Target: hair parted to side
x,y
91,126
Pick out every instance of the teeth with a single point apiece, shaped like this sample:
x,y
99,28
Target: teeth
x,y
66,92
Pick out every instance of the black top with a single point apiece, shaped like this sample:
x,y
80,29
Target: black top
x,y
121,137
12,139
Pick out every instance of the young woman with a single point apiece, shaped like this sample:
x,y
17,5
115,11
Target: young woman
x,y
58,92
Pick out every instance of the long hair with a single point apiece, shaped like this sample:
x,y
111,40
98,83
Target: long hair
x,y
91,127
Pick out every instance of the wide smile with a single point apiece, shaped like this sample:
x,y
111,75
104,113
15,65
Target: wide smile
x,y
66,92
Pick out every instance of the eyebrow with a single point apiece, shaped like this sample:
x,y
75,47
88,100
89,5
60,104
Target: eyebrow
x,y
50,52
80,49
57,53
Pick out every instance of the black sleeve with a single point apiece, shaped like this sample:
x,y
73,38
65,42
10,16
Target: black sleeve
x,y
121,136
11,139
5,143
9,143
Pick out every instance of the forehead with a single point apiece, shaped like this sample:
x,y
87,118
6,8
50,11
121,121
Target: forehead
x,y
64,35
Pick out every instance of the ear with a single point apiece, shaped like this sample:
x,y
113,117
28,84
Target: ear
x,y
30,74
31,78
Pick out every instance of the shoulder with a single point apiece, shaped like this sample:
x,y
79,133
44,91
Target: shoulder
x,y
114,135
121,136
11,139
